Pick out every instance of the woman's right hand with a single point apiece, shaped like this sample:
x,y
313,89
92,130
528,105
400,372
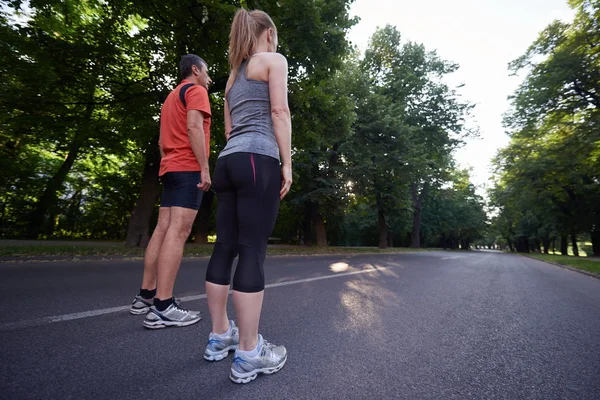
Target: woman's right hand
x,y
286,181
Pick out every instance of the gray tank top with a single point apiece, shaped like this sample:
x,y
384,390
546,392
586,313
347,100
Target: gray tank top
x,y
251,123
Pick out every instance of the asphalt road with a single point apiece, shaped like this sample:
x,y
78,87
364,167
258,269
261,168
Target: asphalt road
x,y
440,325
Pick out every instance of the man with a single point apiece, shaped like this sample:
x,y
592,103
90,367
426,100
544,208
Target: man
x,y
184,146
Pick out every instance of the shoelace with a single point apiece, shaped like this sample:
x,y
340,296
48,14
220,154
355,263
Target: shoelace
x,y
179,307
267,348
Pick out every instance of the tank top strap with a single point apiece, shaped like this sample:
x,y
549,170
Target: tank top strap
x,y
242,71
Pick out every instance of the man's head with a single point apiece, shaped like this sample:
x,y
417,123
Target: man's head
x,y
194,69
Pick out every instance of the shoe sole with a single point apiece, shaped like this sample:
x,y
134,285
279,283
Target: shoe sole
x,y
250,376
219,356
139,311
169,324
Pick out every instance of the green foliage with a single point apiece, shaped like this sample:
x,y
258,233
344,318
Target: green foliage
x,y
548,180
454,214
408,123
84,80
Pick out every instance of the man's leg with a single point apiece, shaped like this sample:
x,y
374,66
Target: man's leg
x,y
143,301
165,311
153,249
171,251
184,203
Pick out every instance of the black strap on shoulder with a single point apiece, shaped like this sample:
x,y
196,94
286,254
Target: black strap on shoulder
x,y
182,91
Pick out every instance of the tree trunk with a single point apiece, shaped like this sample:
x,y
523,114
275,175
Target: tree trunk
x,y
564,245
596,241
201,228
307,225
417,203
554,245
138,231
574,244
73,213
520,245
320,232
546,244
510,245
390,238
383,231
49,197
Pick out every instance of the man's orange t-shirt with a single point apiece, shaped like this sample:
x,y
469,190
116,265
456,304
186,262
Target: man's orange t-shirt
x,y
174,140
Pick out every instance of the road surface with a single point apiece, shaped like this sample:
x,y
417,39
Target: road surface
x,y
434,325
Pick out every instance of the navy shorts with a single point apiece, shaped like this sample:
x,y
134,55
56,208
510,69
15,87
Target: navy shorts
x,y
180,189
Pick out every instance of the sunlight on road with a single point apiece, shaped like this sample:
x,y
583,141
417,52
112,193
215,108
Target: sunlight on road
x,y
339,267
363,301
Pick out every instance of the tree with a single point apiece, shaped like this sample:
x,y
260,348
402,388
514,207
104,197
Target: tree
x,y
69,69
552,158
319,43
454,216
410,125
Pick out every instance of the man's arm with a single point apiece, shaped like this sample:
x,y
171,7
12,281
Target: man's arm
x,y
162,153
195,132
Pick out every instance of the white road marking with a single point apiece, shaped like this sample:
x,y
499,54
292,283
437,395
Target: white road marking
x,y
94,313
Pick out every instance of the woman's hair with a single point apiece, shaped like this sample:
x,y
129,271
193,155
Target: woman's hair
x,y
245,30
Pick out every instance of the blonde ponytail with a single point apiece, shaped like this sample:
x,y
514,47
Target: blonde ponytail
x,y
243,38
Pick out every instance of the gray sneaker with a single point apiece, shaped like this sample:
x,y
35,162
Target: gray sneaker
x,y
218,346
174,315
269,360
140,305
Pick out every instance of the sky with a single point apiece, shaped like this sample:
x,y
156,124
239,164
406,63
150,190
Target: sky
x,y
482,36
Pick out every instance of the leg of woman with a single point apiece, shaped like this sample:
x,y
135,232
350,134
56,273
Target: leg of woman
x,y
258,182
218,273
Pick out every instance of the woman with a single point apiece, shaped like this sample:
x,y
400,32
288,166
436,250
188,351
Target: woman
x,y
249,182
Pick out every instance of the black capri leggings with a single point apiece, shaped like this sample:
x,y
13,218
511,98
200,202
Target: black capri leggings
x,y
247,187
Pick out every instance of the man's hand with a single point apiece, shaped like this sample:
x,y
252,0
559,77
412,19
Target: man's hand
x,y
286,181
205,182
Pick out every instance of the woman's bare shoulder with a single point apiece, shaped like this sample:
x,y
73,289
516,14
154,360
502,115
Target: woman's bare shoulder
x,y
272,58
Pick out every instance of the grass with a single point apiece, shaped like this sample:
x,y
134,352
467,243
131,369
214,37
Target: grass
x,y
63,250
576,262
99,250
302,250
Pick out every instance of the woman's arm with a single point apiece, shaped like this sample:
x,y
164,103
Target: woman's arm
x,y
227,113
280,114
